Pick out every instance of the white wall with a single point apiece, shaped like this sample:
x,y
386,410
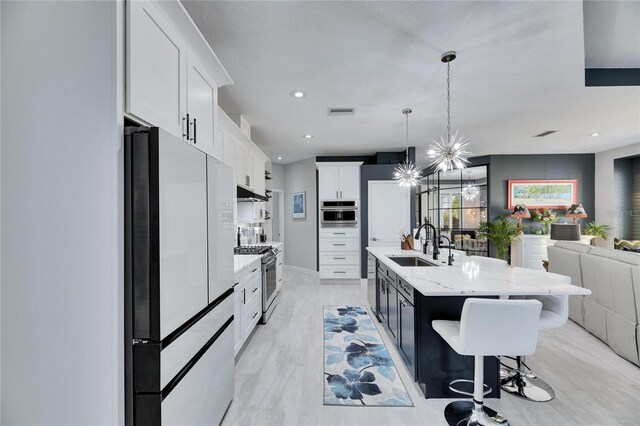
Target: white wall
x,y
300,234
604,181
61,214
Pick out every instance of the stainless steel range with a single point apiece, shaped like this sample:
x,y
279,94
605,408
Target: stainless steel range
x,y
269,288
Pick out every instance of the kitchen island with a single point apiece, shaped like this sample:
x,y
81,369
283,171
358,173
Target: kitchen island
x,y
406,299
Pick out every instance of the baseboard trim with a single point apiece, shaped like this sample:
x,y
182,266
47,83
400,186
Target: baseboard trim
x,y
305,271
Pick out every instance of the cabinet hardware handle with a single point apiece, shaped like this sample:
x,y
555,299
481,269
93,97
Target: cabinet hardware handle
x,y
235,284
254,270
341,195
339,272
244,296
374,239
339,233
339,258
280,280
339,244
188,125
255,315
254,290
280,264
194,130
403,303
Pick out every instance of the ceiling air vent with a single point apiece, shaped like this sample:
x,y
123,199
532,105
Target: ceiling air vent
x,y
543,134
341,111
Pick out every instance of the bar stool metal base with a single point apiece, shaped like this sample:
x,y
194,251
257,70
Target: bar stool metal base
x,y
528,386
461,413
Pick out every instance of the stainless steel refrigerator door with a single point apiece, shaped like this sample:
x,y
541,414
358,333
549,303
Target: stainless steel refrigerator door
x,y
221,234
182,172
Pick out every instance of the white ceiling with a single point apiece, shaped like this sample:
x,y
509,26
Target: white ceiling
x,y
519,72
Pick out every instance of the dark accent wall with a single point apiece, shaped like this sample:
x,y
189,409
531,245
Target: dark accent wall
x,y
543,166
595,77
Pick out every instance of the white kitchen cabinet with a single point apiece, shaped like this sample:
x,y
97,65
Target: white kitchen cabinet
x,y
167,82
349,182
247,303
244,165
328,183
202,107
251,212
156,73
338,181
258,175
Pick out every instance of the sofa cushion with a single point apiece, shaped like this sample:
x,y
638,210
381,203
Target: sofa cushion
x,y
573,246
619,255
622,337
576,309
595,319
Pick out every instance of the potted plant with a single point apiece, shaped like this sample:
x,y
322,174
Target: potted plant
x,y
597,231
501,232
546,217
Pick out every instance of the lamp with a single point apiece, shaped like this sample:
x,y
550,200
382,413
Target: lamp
x,y
576,211
565,231
520,211
406,174
451,153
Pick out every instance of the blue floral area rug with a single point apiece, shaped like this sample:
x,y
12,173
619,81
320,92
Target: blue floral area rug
x,y
358,369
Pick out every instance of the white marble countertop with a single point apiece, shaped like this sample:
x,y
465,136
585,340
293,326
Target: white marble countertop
x,y
468,276
241,261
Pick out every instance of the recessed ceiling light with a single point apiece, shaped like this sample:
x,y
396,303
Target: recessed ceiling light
x,y
308,136
298,94
595,134
279,158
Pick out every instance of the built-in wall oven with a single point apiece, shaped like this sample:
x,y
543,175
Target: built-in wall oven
x,y
339,214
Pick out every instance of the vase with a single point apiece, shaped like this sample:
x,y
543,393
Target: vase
x,y
547,228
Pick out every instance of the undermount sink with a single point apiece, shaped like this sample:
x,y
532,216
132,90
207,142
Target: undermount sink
x,y
411,261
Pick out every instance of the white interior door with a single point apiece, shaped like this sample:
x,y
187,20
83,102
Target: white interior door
x,y
388,212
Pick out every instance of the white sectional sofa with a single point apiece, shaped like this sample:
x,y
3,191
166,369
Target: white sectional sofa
x,y
613,276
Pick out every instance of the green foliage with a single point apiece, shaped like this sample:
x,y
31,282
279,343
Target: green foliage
x,y
501,232
596,230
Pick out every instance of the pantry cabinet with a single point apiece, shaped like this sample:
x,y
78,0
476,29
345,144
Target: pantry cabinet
x,y
202,109
167,84
339,181
156,69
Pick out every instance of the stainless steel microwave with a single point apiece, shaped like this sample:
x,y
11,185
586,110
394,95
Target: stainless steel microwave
x,y
339,214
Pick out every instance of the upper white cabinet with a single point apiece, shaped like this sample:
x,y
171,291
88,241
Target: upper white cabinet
x,y
202,109
258,174
244,165
156,69
338,181
172,75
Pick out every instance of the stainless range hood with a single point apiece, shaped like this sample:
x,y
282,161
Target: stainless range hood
x,y
245,195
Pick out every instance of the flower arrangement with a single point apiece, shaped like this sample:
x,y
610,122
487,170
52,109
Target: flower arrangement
x,y
546,217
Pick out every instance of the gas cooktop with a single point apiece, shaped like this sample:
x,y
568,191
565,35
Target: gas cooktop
x,y
251,249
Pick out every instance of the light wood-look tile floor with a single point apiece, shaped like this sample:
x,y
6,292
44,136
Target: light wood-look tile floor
x,y
279,374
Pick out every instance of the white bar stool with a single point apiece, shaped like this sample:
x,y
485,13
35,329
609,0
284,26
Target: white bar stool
x,y
521,381
487,327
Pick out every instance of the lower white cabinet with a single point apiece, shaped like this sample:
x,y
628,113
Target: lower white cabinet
x,y
339,253
247,306
529,250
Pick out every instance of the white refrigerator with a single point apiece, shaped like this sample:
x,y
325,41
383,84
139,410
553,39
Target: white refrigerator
x,y
179,363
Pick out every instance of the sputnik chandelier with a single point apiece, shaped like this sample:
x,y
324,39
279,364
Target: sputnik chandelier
x,y
471,191
406,174
452,152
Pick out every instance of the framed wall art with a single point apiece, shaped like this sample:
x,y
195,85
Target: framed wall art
x,y
543,193
299,205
